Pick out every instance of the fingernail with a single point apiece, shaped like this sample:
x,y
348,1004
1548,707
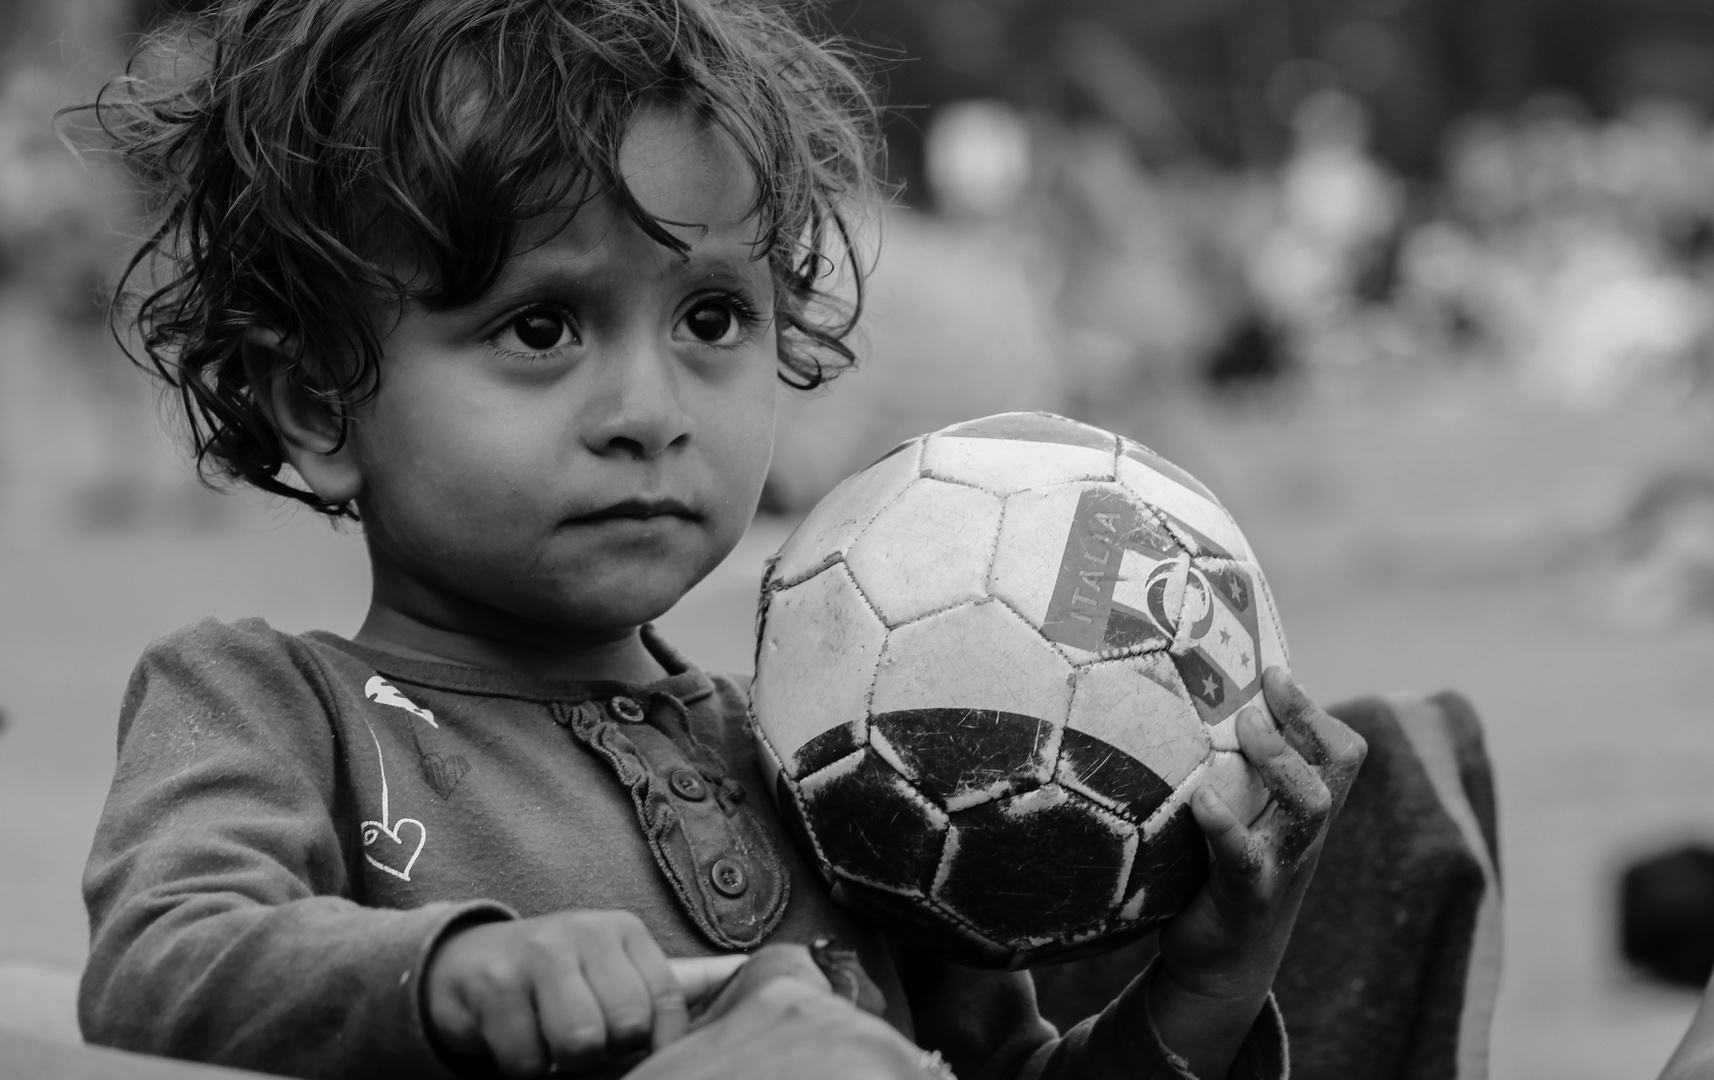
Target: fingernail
x,y
1207,798
1262,719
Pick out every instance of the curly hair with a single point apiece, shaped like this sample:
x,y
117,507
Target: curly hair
x,y
291,150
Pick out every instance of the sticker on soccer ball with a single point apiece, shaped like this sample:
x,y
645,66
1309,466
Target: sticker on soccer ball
x,y
992,668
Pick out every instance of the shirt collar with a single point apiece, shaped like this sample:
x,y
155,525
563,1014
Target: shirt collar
x,y
684,680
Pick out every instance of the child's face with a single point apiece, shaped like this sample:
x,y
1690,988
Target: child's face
x,y
563,458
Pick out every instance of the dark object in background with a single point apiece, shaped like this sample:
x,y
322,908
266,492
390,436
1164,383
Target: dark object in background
x,y
1253,353
1666,915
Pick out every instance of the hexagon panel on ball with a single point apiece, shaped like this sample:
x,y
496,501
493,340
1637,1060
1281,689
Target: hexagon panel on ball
x,y
823,625
929,550
828,530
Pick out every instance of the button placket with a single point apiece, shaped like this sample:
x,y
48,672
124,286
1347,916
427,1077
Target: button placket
x,y
712,850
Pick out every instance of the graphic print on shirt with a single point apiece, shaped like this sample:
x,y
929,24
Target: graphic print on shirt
x,y
388,838
382,692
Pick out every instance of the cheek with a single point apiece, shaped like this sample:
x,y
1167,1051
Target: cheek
x,y
462,428
747,433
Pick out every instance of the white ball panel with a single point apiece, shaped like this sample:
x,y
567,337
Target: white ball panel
x,y
1233,779
1268,627
1005,466
1224,735
815,675
845,512
1131,704
1027,561
978,656
1189,507
927,551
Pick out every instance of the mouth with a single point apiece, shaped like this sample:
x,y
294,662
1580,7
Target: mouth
x,y
639,510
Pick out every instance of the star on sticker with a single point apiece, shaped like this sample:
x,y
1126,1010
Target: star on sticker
x,y
1244,659
1225,636
1210,686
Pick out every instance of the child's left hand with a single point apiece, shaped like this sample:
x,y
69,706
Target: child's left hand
x,y
1218,956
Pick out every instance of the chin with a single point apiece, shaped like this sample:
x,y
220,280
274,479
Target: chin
x,y
619,605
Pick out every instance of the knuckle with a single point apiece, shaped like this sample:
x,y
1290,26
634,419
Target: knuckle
x,y
629,1021
494,975
622,922
668,998
582,1039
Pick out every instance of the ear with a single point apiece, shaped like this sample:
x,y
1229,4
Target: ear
x,y
311,430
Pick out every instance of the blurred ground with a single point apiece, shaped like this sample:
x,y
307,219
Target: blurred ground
x,y
1421,531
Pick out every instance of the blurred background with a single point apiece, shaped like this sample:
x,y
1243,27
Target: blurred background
x,y
1420,287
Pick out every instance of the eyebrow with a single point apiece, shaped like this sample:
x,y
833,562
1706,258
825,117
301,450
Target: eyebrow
x,y
522,277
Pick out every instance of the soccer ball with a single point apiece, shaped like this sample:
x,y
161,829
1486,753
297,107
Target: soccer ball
x,y
991,669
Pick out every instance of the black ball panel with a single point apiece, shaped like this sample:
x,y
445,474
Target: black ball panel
x,y
1098,766
920,923
955,752
791,817
826,748
1033,427
869,823
1052,870
1170,866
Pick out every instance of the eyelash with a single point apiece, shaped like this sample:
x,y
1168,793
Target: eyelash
x,y
564,316
748,315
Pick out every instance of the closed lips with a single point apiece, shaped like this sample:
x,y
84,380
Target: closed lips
x,y
640,509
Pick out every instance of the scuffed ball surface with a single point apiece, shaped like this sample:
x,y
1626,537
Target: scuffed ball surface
x,y
992,667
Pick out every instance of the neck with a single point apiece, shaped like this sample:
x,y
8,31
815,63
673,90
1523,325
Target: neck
x,y
622,657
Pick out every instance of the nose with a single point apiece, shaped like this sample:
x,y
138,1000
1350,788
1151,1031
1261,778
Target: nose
x,y
636,410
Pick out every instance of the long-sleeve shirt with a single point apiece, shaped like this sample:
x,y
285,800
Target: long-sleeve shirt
x,y
296,821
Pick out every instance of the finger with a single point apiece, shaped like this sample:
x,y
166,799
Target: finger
x,y
668,1011
457,1026
701,977
770,964
1295,784
571,1020
1236,851
624,995
783,962
508,1020
1312,731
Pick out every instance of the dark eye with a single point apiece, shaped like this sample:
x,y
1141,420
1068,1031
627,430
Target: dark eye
x,y
711,323
537,331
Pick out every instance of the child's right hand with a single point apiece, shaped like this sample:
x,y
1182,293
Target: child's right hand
x,y
563,991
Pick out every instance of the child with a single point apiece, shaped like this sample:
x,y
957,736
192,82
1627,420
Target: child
x,y
509,282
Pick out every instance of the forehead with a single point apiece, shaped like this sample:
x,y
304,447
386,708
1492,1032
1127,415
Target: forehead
x,y
680,170
685,175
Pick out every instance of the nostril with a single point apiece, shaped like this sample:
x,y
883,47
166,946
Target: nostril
x,y
627,446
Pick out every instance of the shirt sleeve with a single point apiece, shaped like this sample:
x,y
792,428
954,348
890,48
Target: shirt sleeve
x,y
222,925
987,1027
